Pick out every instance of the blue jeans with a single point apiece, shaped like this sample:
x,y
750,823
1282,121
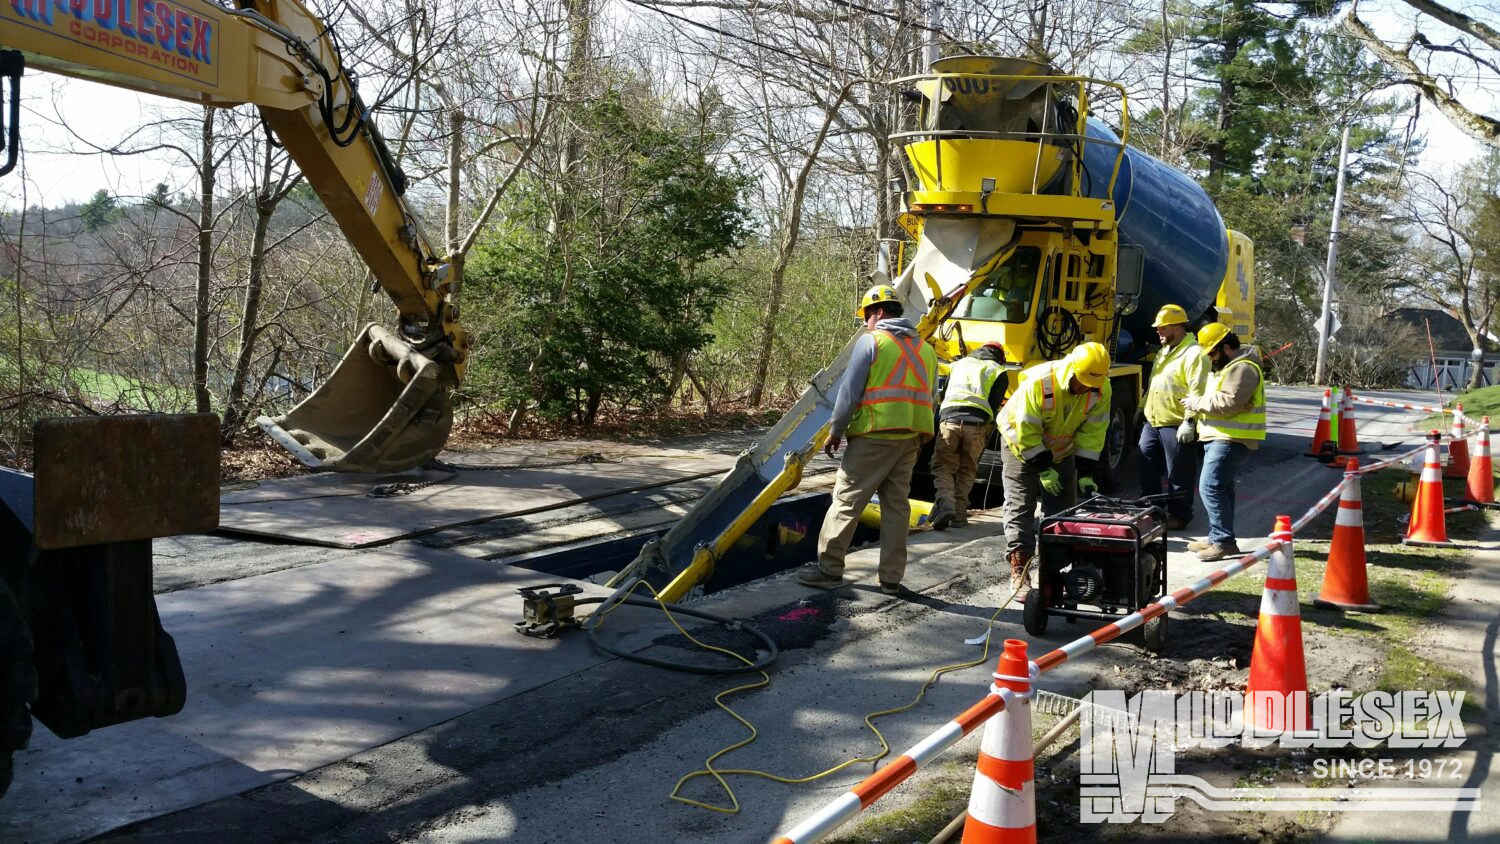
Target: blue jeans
x,y
1162,457
1222,460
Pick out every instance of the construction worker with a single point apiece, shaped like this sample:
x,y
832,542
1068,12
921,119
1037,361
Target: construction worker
x,y
1059,412
974,392
884,406
1168,439
1231,418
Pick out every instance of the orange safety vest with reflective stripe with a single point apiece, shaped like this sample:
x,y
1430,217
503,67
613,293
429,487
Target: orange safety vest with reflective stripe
x,y
898,393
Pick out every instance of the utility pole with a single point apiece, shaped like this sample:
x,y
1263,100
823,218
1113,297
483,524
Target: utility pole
x,y
934,27
1333,255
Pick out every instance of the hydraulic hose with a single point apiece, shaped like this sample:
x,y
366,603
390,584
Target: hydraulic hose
x,y
622,596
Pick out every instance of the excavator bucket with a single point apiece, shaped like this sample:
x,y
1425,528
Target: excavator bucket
x,y
385,409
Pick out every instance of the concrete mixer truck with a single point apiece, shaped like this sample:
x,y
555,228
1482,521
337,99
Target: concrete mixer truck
x,y
1051,231
1033,225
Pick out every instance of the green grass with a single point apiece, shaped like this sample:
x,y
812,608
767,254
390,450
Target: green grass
x,y
1484,401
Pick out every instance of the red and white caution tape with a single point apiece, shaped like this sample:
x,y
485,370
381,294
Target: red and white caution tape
x,y
1399,405
878,784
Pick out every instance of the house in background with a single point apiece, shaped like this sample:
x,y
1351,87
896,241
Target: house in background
x,y
1452,352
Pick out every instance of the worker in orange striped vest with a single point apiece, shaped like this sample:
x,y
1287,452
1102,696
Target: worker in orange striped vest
x,y
884,408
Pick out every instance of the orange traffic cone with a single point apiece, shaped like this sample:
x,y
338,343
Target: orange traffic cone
x,y
1348,439
1002,804
1276,694
1345,585
1427,526
1320,433
1480,488
1458,447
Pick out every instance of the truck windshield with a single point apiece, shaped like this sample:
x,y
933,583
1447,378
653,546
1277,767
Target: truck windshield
x,y
1006,295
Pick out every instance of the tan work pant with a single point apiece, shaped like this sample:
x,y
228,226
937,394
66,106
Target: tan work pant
x,y
869,466
955,462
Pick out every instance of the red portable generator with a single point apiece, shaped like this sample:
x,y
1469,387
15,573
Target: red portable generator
x,y
1101,559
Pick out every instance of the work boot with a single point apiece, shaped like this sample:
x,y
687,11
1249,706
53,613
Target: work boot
x,y
1019,580
815,577
943,517
1177,523
960,520
1218,551
1197,545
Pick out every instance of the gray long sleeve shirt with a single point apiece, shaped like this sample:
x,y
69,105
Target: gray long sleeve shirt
x,y
851,388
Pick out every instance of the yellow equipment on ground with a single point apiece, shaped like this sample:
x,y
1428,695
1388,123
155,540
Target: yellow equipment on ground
x,y
386,407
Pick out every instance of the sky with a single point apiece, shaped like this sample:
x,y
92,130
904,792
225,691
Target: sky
x,y
58,167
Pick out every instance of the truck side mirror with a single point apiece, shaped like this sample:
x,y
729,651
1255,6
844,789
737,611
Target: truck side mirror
x,y
1130,269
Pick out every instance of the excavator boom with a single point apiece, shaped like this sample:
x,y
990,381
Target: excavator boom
x,y
386,407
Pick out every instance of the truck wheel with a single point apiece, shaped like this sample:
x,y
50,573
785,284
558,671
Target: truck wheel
x,y
17,683
1119,443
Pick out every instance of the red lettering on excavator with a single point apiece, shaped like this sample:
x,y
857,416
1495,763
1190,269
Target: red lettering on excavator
x,y
166,26
104,13
37,10
202,34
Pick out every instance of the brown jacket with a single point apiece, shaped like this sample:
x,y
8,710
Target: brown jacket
x,y
1236,394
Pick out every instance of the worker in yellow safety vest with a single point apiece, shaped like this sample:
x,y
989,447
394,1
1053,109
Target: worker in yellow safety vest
x,y
884,407
1168,443
975,390
1053,426
1231,416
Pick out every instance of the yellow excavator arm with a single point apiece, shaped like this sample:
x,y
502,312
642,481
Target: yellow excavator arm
x,y
387,406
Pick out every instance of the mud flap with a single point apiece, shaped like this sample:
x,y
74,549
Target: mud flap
x,y
385,409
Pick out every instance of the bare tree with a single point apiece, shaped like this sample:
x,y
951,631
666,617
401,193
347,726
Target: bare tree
x,y
1412,61
1445,274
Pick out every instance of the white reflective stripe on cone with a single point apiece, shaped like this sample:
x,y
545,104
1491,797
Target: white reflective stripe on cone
x,y
1279,602
1349,517
994,806
1010,739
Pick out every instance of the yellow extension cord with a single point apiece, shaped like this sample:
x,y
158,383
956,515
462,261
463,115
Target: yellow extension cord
x,y
708,769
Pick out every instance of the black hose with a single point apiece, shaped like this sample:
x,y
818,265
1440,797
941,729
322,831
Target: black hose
x,y
592,624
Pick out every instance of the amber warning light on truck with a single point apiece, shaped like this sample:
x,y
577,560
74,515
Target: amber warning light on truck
x,y
151,31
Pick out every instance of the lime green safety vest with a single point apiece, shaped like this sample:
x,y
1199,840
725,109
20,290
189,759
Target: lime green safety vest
x,y
1043,415
969,383
1246,425
898,394
1175,375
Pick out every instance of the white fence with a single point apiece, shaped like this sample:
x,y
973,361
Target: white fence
x,y
1451,374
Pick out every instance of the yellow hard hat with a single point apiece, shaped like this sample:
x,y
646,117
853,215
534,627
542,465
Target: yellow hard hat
x,y
1089,363
875,295
1211,335
1170,315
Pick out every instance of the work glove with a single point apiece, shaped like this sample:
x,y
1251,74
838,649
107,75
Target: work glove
x,y
1187,432
1051,482
1088,486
